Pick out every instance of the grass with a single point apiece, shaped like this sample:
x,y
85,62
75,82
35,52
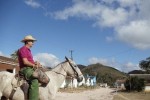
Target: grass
x,y
77,90
132,96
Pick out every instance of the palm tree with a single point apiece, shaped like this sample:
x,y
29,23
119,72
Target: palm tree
x,y
14,55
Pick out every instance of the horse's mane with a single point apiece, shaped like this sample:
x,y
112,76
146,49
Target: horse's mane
x,y
51,68
58,65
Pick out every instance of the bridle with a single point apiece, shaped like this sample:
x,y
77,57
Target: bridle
x,y
59,72
75,72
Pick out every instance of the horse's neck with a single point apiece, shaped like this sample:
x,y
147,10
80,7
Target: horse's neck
x,y
59,74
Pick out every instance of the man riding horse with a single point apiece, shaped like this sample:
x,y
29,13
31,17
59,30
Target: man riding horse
x,y
28,66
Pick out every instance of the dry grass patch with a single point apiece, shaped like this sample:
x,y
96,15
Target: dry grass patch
x,y
132,96
77,90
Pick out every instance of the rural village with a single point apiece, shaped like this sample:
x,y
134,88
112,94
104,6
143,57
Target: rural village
x,y
71,85
74,50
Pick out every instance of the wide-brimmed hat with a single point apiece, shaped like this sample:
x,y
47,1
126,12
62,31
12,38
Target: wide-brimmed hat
x,y
27,38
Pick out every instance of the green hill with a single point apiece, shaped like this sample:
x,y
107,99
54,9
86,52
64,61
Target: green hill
x,y
104,74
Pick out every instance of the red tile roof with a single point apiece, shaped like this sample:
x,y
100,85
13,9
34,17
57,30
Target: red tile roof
x,y
8,64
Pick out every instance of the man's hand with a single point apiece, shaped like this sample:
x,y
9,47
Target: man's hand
x,y
37,64
27,63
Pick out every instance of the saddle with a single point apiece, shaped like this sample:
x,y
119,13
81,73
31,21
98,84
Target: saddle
x,y
20,81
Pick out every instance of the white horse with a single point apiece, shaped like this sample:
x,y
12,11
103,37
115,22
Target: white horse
x,y
57,76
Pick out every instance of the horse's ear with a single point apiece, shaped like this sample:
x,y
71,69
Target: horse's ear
x,y
66,58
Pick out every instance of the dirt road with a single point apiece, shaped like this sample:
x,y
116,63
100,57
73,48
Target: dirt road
x,y
96,94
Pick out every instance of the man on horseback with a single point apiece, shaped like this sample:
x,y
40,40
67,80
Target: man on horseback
x,y
27,66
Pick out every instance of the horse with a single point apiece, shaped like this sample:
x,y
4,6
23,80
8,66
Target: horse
x,y
57,76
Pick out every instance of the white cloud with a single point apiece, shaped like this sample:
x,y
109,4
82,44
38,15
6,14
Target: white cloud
x,y
1,54
113,17
129,18
79,9
94,60
126,3
109,39
32,3
103,61
46,59
102,15
124,67
129,66
136,33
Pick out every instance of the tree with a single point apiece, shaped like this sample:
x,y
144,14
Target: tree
x,y
14,55
145,64
134,84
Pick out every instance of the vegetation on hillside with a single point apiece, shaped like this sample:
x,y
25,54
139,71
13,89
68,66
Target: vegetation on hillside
x,y
104,74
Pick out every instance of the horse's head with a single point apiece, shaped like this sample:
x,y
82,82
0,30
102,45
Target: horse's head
x,y
73,70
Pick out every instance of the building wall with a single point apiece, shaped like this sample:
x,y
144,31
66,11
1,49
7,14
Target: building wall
x,y
147,89
72,83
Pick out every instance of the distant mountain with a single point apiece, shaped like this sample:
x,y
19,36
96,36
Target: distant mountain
x,y
138,72
104,74
81,66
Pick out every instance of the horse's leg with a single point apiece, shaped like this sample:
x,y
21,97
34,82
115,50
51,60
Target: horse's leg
x,y
3,98
0,96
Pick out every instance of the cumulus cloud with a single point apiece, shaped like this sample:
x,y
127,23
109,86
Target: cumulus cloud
x,y
103,61
129,18
1,54
129,66
125,67
109,39
113,17
136,33
78,9
33,3
95,60
98,12
46,59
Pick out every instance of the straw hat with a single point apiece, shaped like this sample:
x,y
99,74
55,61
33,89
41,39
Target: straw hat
x,y
28,37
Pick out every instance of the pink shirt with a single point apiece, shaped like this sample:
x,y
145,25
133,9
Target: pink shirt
x,y
24,52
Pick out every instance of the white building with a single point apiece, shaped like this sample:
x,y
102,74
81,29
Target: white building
x,y
72,83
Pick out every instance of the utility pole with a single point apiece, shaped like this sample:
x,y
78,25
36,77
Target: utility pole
x,y
71,51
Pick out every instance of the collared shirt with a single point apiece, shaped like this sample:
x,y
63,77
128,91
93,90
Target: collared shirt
x,y
24,52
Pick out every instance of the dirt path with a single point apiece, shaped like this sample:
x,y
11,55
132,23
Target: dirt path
x,y
96,94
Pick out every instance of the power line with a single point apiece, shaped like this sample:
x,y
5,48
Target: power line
x,y
119,53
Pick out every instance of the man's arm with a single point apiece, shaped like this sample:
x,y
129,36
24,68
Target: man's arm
x,y
27,63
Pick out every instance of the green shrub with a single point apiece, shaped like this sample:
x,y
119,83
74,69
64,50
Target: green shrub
x,y
134,84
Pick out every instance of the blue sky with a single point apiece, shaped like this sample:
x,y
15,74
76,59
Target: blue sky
x,y
111,32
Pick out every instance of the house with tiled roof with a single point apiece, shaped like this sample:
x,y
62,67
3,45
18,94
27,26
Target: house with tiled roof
x,y
8,64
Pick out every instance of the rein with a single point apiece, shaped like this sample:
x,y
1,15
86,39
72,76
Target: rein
x,y
59,72
76,73
66,71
